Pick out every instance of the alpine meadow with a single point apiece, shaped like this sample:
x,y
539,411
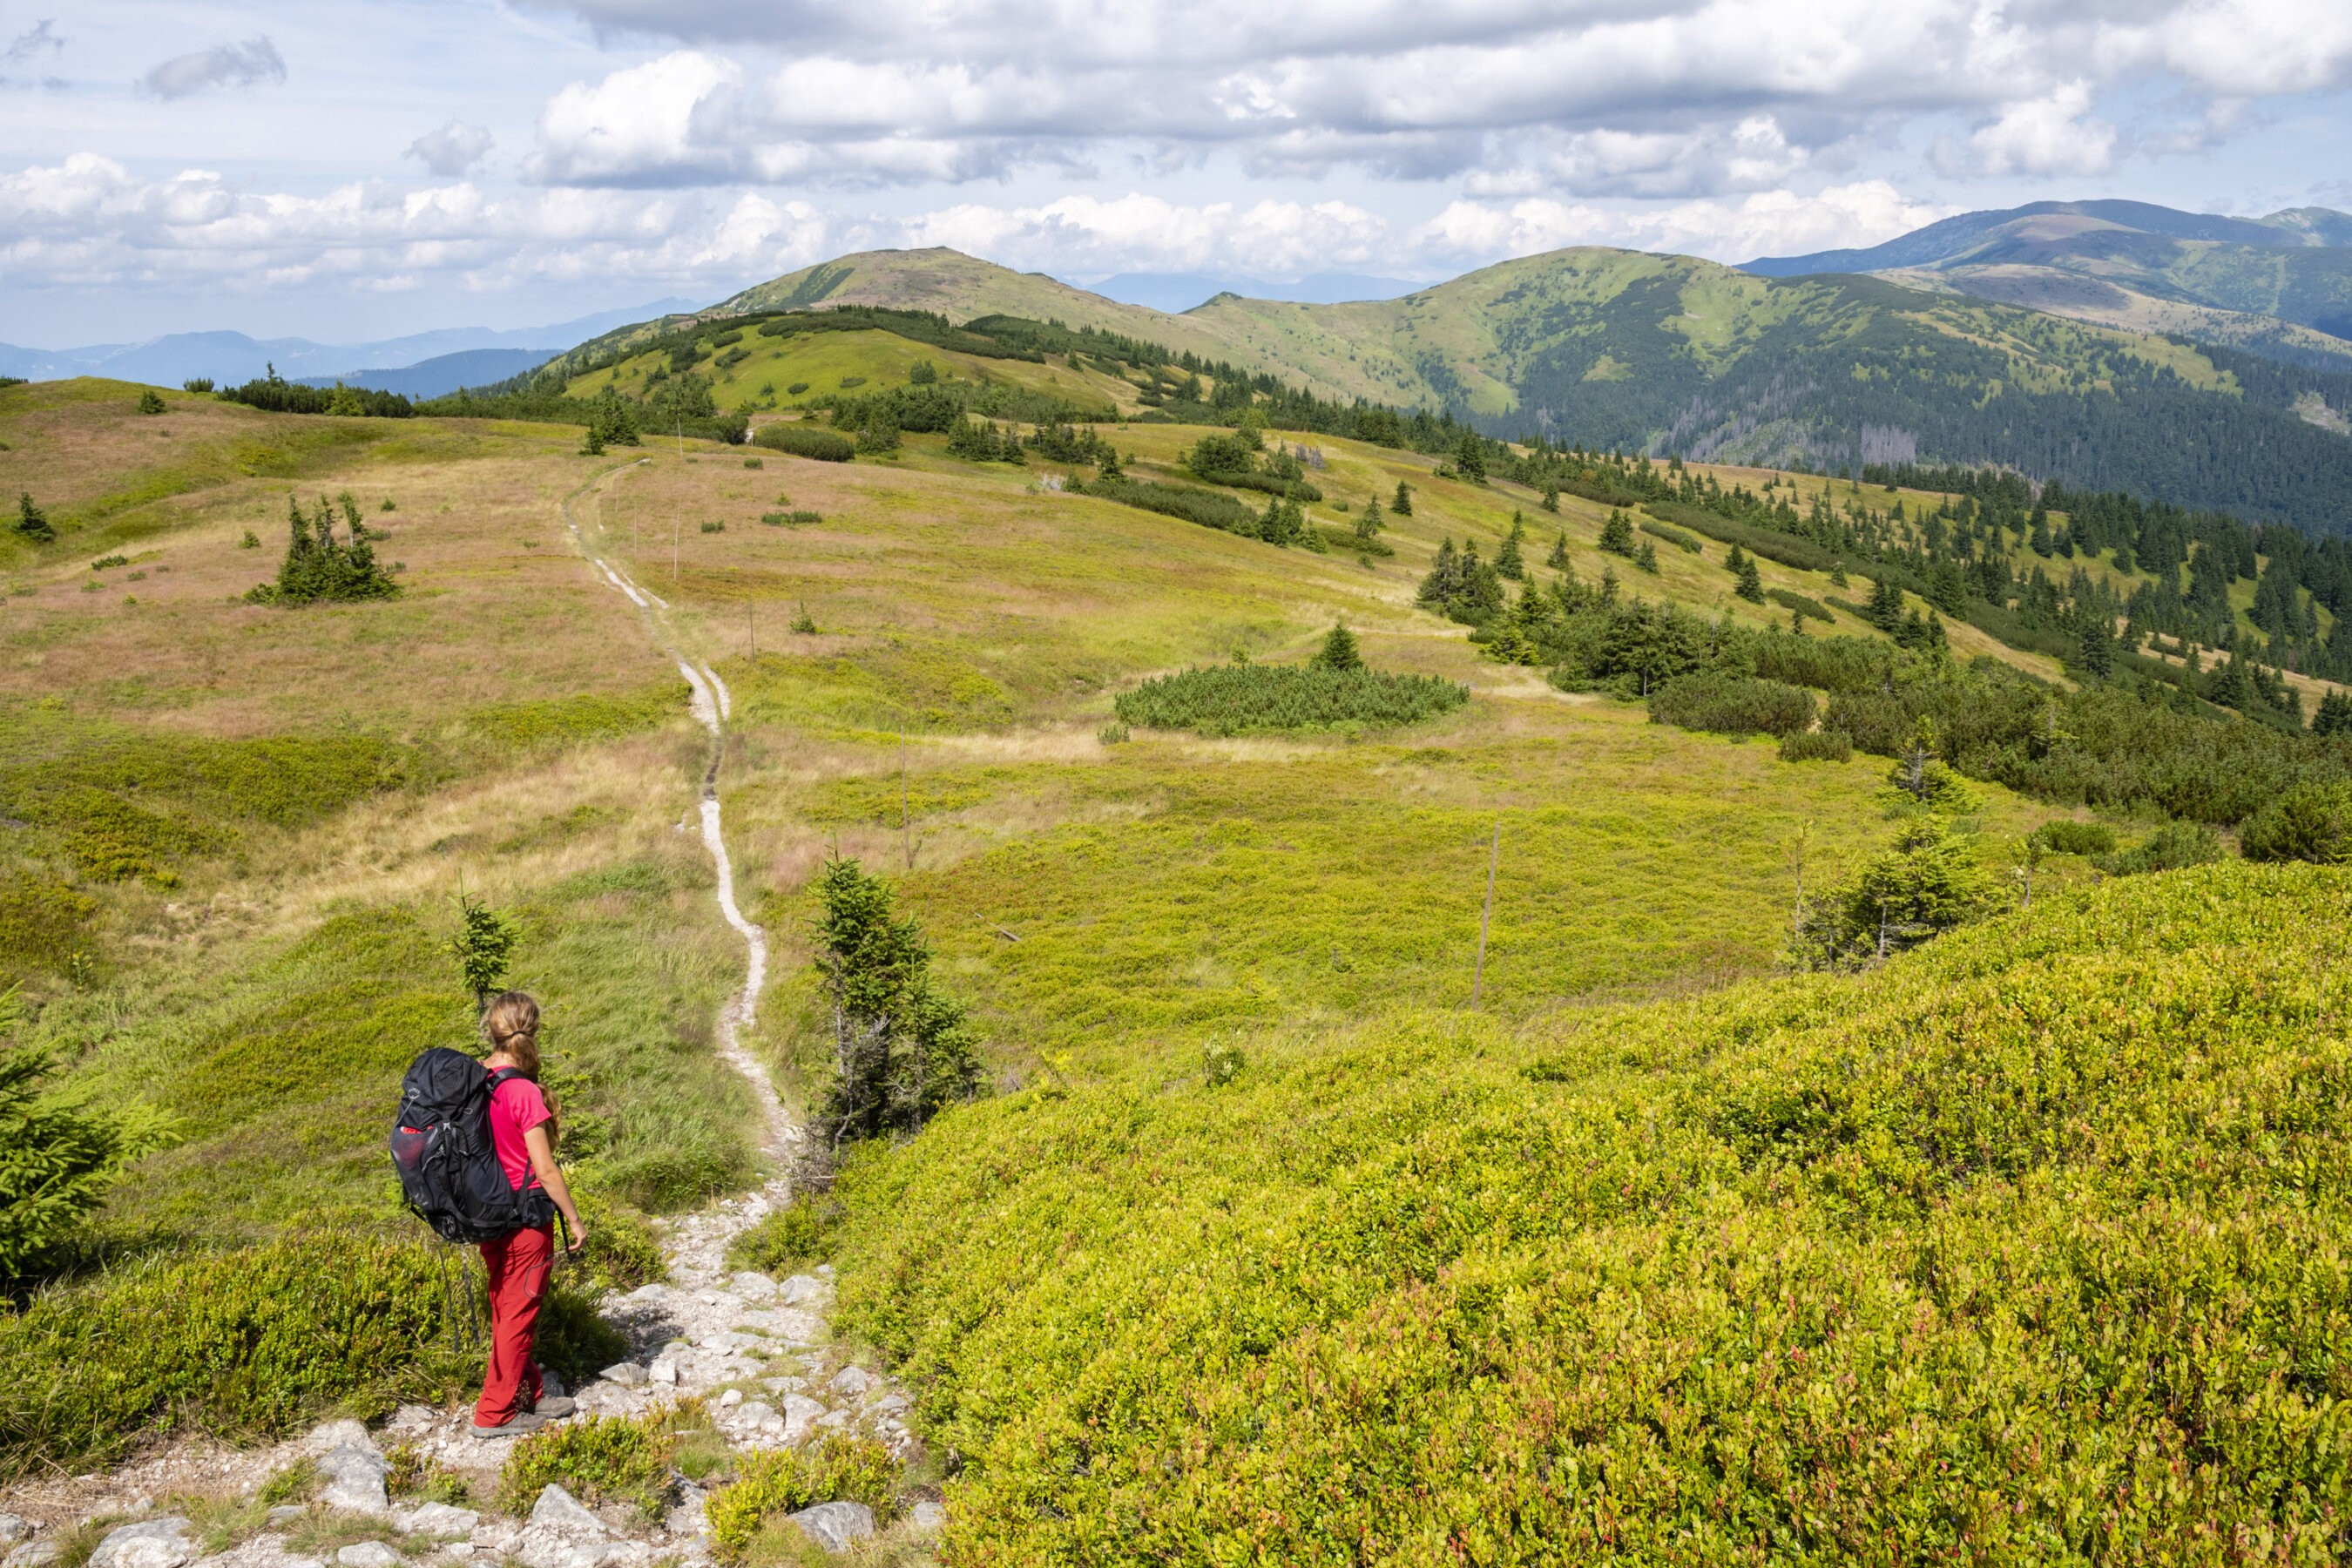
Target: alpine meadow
x,y
1618,910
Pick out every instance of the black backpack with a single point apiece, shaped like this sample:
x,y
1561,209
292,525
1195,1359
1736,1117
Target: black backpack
x,y
449,1169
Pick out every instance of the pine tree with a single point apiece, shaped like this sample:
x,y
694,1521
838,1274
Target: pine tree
x,y
1110,465
1885,610
1508,561
1470,458
1751,581
31,520
2039,537
485,942
150,401
1339,650
1368,521
804,623
593,445
1402,505
1617,533
1647,560
1558,559
1551,498
2098,647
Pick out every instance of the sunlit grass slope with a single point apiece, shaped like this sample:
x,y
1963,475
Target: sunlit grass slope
x,y
2028,1247
761,371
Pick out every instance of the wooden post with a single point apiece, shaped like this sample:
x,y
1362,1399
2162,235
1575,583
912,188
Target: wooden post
x,y
1486,919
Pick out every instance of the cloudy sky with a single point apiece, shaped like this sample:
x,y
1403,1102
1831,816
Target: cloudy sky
x,y
358,168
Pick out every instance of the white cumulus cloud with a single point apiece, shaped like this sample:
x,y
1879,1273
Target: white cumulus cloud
x,y
248,64
452,150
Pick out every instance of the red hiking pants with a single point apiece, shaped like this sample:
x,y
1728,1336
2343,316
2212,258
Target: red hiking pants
x,y
518,1268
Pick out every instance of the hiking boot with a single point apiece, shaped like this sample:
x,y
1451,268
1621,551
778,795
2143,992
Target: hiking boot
x,y
554,1407
514,1425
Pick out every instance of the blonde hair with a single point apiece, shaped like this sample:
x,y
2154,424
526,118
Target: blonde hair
x,y
510,1023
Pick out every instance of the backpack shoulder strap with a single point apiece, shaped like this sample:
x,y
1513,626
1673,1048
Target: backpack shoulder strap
x,y
503,1074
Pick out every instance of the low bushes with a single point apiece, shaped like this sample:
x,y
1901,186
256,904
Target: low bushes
x,y
1675,536
2063,837
1816,746
247,1342
1804,605
2172,848
2048,1210
1207,508
1732,705
794,1238
1243,699
776,1481
2309,822
806,441
601,1459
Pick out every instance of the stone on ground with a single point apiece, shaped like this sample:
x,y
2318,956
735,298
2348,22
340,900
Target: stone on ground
x,y
801,1287
851,1380
627,1373
559,1509
927,1515
368,1554
150,1543
15,1528
835,1526
34,1554
436,1519
354,1479
330,1435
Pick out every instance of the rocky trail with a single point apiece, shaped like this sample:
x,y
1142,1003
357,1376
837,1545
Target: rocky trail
x,y
757,1350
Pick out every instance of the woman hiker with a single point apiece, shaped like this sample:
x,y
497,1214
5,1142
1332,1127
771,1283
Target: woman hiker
x,y
522,1129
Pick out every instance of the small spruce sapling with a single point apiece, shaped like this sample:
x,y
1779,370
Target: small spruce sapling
x,y
1617,533
151,402
804,623
1369,525
1558,559
1339,650
483,945
1647,558
1551,498
1508,559
1402,505
32,521
1751,581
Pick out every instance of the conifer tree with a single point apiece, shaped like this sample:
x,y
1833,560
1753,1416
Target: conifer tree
x,y
1647,558
1551,497
1508,561
2335,715
1617,533
1368,523
1339,650
2098,648
31,520
1402,505
1751,581
1470,458
1885,610
1558,559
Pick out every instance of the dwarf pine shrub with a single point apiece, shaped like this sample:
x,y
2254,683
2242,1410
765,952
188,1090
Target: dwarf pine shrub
x,y
1245,699
319,566
806,441
1816,746
1732,705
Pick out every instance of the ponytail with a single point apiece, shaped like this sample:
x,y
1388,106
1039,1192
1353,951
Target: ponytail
x,y
511,1024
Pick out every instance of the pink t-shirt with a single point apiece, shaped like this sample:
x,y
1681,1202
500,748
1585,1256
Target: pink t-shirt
x,y
515,1107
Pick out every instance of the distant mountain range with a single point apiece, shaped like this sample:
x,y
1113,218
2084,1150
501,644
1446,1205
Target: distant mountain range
x,y
445,373
2280,286
1180,291
231,357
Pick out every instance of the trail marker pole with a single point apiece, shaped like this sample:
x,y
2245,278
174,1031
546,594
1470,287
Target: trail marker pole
x,y
1486,917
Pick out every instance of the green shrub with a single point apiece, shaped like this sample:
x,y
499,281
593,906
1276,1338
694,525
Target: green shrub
x,y
1732,705
790,519
600,1459
1804,605
1113,734
249,1342
105,561
777,1481
1816,746
42,923
298,1482
1895,1268
2309,822
795,1237
1675,536
573,1340
1207,508
2172,848
1248,698
57,1158
150,401
623,1252
2064,836
796,388
713,525
807,441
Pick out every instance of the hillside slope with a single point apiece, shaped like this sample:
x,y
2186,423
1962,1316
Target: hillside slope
x,y
2029,1247
1626,350
2280,286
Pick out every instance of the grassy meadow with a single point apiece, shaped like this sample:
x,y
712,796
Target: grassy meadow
x,y
1656,1251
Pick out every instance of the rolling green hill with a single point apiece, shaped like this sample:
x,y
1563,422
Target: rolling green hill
x,y
1616,349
